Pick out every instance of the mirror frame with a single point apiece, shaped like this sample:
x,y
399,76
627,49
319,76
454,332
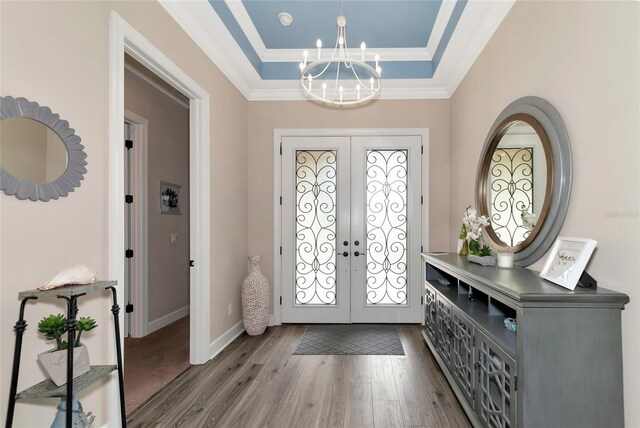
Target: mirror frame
x,y
76,165
548,124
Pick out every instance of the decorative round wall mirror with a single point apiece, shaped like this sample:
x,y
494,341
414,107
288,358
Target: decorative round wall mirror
x,y
524,179
41,158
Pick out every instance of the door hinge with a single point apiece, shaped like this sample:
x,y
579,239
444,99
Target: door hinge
x,y
129,308
128,144
421,300
128,199
515,383
128,254
280,300
280,200
191,263
280,149
421,150
422,248
280,250
421,200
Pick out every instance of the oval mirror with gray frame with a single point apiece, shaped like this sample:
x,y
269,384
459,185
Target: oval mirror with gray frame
x,y
41,158
524,179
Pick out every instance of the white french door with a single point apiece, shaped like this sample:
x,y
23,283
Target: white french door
x,y
351,229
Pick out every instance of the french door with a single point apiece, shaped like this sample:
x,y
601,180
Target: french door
x,y
351,229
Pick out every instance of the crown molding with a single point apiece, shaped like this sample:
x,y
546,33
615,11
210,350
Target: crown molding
x,y
386,54
444,15
415,89
190,16
467,44
241,15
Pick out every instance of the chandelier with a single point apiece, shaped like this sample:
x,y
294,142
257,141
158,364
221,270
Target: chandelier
x,y
340,80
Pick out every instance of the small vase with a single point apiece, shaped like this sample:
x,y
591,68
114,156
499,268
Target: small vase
x,y
79,418
255,299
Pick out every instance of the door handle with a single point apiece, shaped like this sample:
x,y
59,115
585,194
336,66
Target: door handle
x,y
357,253
346,254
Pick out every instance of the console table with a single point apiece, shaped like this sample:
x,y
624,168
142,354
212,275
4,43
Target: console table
x,y
562,367
46,388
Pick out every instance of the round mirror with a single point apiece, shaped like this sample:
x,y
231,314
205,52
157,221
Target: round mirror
x,y
31,151
524,179
41,158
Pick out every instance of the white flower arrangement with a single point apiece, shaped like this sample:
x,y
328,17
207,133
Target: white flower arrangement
x,y
474,224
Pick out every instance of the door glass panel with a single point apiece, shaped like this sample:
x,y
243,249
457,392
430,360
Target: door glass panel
x,y
315,236
386,227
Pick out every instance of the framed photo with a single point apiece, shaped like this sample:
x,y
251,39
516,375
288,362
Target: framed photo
x,y
567,260
170,198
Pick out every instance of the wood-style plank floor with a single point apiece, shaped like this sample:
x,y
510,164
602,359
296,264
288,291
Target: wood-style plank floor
x,y
256,382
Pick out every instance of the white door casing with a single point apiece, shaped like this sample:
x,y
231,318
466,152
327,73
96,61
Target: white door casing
x,y
365,291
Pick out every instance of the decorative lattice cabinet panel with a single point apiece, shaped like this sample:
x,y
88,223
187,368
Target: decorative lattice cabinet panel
x,y
563,365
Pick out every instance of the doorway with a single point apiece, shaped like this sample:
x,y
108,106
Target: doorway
x,y
351,228
126,39
157,257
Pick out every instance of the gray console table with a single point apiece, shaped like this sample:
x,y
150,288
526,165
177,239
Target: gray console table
x,y
562,367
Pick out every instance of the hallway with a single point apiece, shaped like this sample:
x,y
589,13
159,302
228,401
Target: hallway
x,y
151,362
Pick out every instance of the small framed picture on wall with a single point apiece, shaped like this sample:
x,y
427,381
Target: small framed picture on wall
x,y
170,198
567,260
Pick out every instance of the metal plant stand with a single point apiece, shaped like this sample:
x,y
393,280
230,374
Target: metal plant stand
x,y
46,388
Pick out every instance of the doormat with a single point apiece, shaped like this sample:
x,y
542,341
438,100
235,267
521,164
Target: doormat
x,y
350,339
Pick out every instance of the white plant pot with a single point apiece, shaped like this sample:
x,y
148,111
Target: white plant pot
x,y
55,363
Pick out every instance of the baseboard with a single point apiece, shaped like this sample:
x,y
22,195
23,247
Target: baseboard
x,y
272,320
165,320
220,343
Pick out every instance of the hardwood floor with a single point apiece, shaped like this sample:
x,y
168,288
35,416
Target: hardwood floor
x,y
256,382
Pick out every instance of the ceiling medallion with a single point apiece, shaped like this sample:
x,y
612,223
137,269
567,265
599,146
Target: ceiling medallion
x,y
340,80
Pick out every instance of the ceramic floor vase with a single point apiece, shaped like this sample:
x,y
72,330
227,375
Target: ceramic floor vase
x,y
255,299
55,363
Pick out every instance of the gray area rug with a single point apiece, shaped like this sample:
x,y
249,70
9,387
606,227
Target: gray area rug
x,y
350,339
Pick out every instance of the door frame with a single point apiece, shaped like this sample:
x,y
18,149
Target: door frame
x,y
139,239
335,132
125,38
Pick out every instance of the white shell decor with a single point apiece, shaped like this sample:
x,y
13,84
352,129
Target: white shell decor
x,y
255,299
78,274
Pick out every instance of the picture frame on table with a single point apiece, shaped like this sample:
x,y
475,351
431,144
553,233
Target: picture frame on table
x,y
567,260
170,198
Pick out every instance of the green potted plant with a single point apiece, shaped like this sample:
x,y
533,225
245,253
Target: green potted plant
x,y
53,327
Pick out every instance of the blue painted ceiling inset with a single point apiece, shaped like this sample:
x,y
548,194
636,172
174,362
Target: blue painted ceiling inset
x,y
413,30
381,24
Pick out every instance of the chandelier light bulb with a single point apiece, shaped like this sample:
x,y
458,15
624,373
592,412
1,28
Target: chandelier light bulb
x,y
319,46
341,41
358,91
305,54
302,66
363,46
371,83
379,70
341,90
310,79
324,90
